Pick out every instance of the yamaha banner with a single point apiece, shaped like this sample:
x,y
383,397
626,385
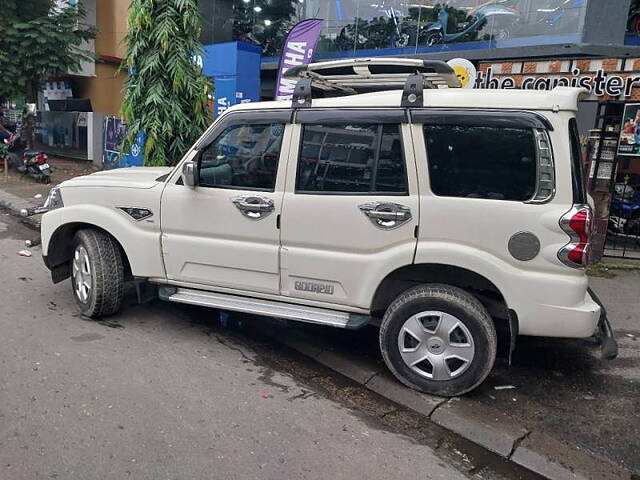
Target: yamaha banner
x,y
298,50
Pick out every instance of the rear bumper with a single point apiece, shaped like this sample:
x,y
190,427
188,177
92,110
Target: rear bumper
x,y
609,346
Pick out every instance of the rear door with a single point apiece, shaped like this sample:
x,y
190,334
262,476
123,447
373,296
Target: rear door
x,y
488,189
350,209
224,232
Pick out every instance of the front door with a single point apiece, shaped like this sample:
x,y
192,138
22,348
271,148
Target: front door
x,y
351,204
224,232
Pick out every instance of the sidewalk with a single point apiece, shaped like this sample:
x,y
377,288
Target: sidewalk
x,y
558,410
20,191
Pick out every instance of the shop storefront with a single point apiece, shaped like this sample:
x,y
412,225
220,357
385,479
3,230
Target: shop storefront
x,y
609,123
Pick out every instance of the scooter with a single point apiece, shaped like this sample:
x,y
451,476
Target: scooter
x,y
624,217
28,162
499,17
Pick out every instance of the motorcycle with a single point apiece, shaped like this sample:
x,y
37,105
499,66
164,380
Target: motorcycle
x,y
31,163
498,17
624,217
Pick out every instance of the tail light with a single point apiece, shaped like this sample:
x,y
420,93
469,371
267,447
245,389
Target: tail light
x,y
41,159
576,223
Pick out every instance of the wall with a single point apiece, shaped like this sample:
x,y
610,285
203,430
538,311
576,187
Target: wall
x,y
106,87
111,20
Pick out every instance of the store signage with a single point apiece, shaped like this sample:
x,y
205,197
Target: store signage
x,y
298,49
629,143
598,83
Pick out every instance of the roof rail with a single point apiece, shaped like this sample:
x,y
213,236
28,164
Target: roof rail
x,y
359,75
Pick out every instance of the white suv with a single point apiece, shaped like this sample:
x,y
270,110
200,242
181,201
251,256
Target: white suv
x,y
455,219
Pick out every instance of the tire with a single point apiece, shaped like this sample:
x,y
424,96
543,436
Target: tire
x,y
434,38
471,335
97,263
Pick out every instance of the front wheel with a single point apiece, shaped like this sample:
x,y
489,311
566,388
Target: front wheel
x,y
97,273
438,339
434,38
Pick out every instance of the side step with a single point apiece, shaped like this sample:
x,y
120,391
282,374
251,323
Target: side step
x,y
269,308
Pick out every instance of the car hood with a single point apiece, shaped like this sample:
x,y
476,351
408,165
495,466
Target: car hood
x,y
132,177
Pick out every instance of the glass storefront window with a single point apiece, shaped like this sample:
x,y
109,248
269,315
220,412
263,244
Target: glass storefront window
x,y
400,26
633,22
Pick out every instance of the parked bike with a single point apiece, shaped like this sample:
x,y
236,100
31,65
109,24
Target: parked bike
x,y
624,217
497,16
31,163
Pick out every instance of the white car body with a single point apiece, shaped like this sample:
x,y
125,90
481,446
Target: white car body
x,y
455,219
197,239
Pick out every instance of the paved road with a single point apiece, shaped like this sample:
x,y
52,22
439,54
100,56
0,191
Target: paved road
x,y
161,392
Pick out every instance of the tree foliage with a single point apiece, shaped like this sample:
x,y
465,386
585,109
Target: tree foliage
x,y
166,92
38,41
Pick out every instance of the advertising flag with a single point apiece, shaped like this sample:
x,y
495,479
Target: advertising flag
x,y
298,49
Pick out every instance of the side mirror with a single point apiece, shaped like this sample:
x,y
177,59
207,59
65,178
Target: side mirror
x,y
189,173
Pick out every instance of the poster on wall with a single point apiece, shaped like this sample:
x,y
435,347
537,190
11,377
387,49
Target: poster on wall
x,y
629,143
114,131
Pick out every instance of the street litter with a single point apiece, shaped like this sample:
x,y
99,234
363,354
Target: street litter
x,y
24,253
504,387
37,195
631,336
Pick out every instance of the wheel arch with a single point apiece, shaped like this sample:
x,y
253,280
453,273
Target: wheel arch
x,y
61,249
486,291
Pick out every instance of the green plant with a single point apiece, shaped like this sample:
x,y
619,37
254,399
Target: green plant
x,y
4,151
40,40
166,92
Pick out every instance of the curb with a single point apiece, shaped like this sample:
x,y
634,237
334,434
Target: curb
x,y
493,431
13,204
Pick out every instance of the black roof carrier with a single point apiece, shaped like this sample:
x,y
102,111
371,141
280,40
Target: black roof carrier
x,y
360,75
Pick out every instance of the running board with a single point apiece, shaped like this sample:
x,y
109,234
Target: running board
x,y
269,308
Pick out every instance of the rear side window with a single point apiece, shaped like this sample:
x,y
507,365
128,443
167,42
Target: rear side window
x,y
482,161
579,195
351,158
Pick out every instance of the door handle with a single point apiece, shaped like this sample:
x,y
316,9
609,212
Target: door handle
x,y
255,208
386,215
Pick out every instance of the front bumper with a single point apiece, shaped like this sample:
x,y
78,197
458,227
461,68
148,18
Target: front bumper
x,y
609,346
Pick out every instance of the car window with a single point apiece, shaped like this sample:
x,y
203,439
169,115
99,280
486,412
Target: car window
x,y
243,156
481,162
351,158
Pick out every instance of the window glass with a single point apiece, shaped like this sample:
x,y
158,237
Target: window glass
x,y
358,158
579,195
243,157
424,26
481,162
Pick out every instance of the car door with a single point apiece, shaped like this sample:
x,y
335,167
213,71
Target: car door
x,y
350,208
223,233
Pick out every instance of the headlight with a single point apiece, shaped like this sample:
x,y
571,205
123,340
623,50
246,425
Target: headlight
x,y
54,200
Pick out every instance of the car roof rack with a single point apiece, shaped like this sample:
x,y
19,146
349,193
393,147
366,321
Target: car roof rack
x,y
360,75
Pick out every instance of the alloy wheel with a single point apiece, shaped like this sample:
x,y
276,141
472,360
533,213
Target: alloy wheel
x,y
436,345
81,273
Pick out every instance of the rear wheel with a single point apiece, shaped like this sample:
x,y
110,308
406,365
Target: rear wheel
x,y
438,339
97,273
434,38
